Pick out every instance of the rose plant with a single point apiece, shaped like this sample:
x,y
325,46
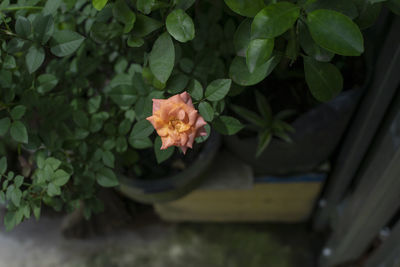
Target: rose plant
x,y
84,83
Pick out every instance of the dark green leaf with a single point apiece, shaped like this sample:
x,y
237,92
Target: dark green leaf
x,y
180,25
51,6
368,13
310,47
120,144
17,45
264,138
186,65
134,41
9,220
4,125
335,32
162,57
34,58
43,28
3,165
177,83
46,83
162,154
18,112
124,14
145,6
324,79
218,89
9,62
106,178
250,116
394,6
53,163
123,95
108,158
240,74
345,7
140,143
206,111
145,25
263,106
242,37
124,127
142,129
23,27
65,42
227,125
195,90
248,8
274,20
258,53
19,179
18,132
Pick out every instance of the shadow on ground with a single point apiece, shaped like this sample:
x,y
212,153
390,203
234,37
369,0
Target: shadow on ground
x,y
157,244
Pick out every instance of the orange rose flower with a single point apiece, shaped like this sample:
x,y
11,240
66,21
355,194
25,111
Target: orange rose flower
x,y
176,121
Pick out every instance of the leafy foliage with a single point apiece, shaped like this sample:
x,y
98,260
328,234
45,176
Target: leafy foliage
x,y
77,79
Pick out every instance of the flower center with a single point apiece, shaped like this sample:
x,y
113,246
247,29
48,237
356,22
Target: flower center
x,y
178,125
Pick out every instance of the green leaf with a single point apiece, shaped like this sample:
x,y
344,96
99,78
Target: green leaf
x,y
145,6
368,13
60,177
16,197
18,181
53,163
99,4
394,6
106,178
145,25
242,37
345,7
46,83
51,6
108,158
18,132
195,90
9,220
34,58
250,116
142,129
258,53
36,211
324,79
184,4
9,62
3,165
23,27
180,26
227,125
240,74
263,106
53,190
124,127
310,47
335,32
65,42
248,8
162,154
120,144
94,104
140,143
206,111
162,57
17,45
18,112
124,14
177,83
2,198
218,89
274,20
43,28
124,95
4,125
264,138
134,41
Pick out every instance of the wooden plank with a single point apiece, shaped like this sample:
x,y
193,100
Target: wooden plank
x,y
364,126
388,254
375,199
274,202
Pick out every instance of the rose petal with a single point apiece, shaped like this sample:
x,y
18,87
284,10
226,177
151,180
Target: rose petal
x,y
157,104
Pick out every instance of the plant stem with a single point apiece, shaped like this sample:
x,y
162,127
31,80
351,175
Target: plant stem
x,y
13,8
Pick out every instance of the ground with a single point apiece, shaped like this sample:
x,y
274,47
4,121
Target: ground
x,y
159,244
